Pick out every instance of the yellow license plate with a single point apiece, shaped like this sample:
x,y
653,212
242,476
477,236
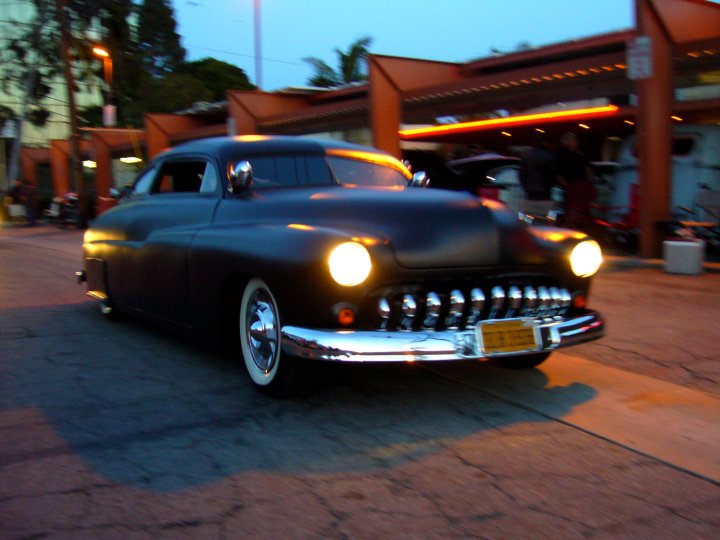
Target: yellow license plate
x,y
514,335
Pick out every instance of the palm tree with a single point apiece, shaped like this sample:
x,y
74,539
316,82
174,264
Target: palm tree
x,y
351,66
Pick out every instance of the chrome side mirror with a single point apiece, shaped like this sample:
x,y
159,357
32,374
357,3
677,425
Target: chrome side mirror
x,y
240,176
420,179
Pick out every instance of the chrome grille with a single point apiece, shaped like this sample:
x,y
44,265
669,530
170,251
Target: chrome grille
x,y
460,308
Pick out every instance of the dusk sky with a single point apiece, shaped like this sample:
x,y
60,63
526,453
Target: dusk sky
x,y
448,30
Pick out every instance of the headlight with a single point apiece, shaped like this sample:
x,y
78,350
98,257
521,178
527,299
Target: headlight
x,y
586,258
349,264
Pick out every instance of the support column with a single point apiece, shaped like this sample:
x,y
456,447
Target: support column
x,y
59,163
103,172
655,99
29,160
385,109
390,78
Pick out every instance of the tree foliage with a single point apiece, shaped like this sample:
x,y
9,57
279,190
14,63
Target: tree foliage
x,y
149,69
351,66
217,76
158,42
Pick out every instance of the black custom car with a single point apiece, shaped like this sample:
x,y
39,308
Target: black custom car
x,y
303,250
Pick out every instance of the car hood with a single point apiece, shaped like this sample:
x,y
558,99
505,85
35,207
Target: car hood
x,y
426,228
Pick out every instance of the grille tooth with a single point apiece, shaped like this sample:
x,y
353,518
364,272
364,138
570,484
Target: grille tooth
x,y
514,296
544,300
497,301
383,311
433,305
409,310
555,299
477,304
530,300
457,306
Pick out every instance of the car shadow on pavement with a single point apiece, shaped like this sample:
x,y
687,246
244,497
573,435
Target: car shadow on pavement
x,y
146,408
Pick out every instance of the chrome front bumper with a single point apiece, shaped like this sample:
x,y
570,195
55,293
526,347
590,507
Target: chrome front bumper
x,y
380,346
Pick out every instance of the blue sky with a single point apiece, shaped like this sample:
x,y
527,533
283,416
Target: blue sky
x,y
447,30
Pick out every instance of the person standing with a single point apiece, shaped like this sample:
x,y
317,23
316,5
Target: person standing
x,y
574,175
538,175
18,202
30,203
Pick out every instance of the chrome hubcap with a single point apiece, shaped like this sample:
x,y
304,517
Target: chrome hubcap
x,y
262,333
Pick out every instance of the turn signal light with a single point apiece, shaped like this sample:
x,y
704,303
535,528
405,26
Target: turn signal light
x,y
346,317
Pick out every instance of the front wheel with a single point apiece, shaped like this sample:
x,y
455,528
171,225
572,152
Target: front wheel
x,y
270,370
525,361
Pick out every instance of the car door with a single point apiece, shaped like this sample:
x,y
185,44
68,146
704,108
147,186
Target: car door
x,y
180,198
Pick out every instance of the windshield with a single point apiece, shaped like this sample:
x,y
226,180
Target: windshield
x,y
371,170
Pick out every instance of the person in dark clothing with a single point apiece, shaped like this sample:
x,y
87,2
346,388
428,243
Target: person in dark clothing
x,y
574,174
538,175
30,203
17,193
24,198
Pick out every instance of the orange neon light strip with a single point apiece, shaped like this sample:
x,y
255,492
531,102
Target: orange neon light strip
x,y
525,119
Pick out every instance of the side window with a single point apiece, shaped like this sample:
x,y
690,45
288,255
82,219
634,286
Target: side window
x,y
144,182
185,176
263,171
210,180
270,171
315,171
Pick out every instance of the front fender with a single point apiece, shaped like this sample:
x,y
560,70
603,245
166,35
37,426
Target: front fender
x,y
291,259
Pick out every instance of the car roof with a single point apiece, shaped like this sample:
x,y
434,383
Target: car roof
x,y
264,144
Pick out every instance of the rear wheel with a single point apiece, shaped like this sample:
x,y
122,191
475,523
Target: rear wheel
x,y
270,370
525,361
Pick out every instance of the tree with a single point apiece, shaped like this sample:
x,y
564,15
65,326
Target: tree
x,y
158,42
217,76
31,61
174,92
351,66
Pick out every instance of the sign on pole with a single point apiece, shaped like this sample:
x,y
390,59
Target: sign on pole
x,y
639,58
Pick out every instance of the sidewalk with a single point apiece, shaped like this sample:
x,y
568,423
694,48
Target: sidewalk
x,y
619,262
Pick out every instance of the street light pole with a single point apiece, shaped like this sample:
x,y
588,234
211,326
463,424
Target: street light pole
x,y
258,45
108,107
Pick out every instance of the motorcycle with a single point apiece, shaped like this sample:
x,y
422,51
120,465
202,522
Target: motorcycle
x,y
69,213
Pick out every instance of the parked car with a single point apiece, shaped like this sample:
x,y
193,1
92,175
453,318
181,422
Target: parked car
x,y
304,251
492,175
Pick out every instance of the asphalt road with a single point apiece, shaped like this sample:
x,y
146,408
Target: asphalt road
x,y
121,430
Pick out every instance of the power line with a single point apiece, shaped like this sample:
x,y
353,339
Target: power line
x,y
244,55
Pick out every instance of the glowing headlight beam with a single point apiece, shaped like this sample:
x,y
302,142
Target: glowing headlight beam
x,y
349,264
586,258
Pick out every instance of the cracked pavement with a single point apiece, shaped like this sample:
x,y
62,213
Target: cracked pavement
x,y
125,431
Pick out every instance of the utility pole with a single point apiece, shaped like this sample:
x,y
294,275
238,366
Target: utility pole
x,y
76,172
